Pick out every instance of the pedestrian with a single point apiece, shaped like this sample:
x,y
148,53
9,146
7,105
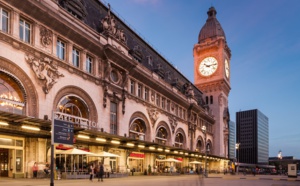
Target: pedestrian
x,y
47,168
91,172
100,172
35,170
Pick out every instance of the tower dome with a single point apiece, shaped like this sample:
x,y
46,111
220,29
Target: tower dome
x,y
212,28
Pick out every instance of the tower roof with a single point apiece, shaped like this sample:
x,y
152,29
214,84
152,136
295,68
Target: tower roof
x,y
212,28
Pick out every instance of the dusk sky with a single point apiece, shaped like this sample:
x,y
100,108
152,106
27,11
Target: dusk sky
x,y
264,38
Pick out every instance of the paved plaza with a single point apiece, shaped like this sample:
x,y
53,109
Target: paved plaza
x,y
181,180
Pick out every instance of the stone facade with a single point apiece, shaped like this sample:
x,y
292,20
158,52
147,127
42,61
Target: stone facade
x,y
56,56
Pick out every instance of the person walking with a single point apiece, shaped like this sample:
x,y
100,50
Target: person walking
x,y
35,170
100,172
91,172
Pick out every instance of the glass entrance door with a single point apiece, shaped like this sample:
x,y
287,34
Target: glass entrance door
x,y
4,162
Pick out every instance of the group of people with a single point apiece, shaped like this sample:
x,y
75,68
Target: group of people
x,y
35,169
97,170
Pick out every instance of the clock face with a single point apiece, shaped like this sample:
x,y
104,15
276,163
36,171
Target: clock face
x,y
208,66
227,72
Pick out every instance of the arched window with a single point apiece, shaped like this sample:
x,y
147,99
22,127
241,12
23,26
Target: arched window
x,y
12,97
74,106
208,148
179,140
199,146
137,129
161,136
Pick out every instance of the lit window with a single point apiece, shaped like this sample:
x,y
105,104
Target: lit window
x,y
88,64
3,20
60,49
24,31
75,57
179,140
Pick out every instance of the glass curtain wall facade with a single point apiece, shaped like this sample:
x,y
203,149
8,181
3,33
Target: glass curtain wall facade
x,y
231,151
253,136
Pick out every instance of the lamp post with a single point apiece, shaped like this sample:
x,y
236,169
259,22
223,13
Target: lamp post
x,y
237,147
205,166
280,158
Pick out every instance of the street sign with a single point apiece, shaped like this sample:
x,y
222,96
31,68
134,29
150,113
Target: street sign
x,y
63,132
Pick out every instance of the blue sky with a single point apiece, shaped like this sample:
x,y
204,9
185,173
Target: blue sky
x,y
264,38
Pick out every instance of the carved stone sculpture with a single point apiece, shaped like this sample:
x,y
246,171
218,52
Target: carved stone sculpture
x,y
153,115
173,123
46,36
44,70
110,27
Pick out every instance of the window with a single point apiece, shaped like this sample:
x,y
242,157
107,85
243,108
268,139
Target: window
x,y
157,100
163,103
3,20
113,118
12,97
146,94
180,112
89,64
179,140
168,105
199,146
75,57
211,99
137,130
206,100
139,90
60,49
161,136
24,31
132,87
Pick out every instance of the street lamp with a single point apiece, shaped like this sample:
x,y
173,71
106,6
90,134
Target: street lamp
x,y
237,147
205,166
280,158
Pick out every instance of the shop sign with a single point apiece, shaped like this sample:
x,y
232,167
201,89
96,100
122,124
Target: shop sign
x,y
137,155
179,159
82,122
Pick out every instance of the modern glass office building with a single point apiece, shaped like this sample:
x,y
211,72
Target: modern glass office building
x,y
253,136
231,151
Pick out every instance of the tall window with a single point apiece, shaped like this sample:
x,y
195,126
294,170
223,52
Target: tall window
x,y
199,146
168,105
139,90
3,20
75,57
157,100
211,99
113,118
88,64
179,140
163,103
161,136
146,94
24,31
60,49
132,87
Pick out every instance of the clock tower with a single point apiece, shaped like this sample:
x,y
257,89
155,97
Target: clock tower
x,y
212,76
